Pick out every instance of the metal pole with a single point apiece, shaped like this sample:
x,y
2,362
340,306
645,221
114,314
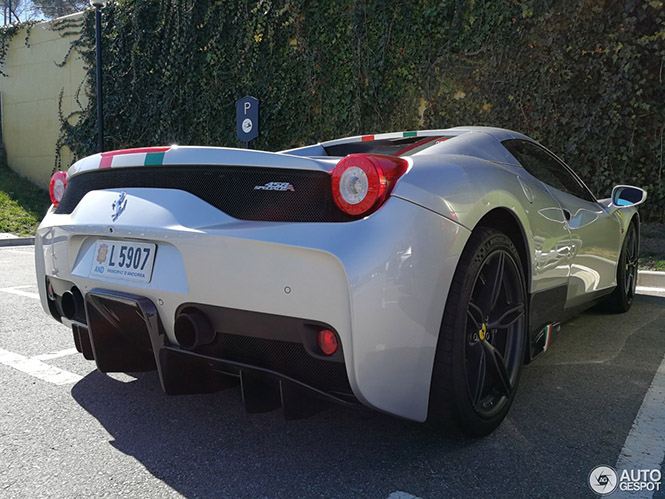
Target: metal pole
x,y
100,115
10,11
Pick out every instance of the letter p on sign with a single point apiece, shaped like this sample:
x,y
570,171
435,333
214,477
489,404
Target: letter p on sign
x,y
247,119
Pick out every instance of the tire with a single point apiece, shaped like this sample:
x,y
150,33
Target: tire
x,y
482,340
623,295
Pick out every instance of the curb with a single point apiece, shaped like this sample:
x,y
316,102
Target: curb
x,y
16,241
651,279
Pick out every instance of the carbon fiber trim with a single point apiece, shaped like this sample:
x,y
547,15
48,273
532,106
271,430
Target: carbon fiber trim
x,y
230,189
285,357
287,345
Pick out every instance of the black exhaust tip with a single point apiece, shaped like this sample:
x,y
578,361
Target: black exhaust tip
x,y
72,303
193,329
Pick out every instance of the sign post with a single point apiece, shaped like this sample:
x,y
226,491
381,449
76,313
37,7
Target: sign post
x,y
247,119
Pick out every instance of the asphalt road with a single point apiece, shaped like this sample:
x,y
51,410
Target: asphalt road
x,y
119,435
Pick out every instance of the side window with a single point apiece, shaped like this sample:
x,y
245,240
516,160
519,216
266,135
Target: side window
x,y
542,165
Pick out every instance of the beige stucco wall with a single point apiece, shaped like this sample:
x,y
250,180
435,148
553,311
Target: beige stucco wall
x,y
30,93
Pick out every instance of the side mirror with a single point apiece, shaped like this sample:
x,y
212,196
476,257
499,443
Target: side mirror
x,y
627,195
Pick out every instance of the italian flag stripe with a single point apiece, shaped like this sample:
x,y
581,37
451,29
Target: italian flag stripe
x,y
410,134
154,159
106,161
151,156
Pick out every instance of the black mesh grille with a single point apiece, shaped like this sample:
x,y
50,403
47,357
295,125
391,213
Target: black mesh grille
x,y
290,359
228,188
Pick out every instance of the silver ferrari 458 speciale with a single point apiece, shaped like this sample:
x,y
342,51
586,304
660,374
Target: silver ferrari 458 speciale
x,y
412,272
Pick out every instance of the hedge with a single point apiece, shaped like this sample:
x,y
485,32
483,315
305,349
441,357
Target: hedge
x,y
585,77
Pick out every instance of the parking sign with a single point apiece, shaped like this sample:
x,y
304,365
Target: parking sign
x,y
247,119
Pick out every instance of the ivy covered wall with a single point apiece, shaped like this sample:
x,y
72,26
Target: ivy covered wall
x,y
586,77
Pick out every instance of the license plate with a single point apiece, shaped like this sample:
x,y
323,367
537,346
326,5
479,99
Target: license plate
x,y
125,260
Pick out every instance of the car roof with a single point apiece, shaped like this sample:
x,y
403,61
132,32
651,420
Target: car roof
x,y
499,134
477,141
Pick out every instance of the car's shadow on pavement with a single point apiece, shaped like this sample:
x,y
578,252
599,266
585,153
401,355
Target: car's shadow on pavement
x,y
573,410
206,445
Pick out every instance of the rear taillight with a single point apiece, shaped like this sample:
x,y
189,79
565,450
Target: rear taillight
x,y
57,187
328,342
362,182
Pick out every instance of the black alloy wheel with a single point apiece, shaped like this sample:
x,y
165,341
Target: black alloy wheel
x,y
495,333
623,295
629,265
483,336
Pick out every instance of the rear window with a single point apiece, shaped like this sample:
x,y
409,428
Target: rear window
x,y
390,147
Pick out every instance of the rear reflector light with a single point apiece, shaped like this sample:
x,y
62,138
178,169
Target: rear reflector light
x,y
327,341
57,187
361,183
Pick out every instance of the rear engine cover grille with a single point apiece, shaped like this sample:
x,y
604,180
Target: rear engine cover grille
x,y
230,189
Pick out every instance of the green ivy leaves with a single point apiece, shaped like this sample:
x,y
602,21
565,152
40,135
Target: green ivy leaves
x,y
587,82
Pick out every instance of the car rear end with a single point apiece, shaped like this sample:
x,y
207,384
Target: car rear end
x,y
218,266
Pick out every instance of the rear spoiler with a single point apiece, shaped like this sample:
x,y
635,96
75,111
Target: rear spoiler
x,y
194,156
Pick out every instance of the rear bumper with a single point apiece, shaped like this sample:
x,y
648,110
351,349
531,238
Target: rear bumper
x,y
380,282
124,333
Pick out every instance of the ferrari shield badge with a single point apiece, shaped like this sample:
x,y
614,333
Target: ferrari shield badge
x,y
119,206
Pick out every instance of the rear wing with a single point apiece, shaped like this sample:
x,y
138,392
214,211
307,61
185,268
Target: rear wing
x,y
197,156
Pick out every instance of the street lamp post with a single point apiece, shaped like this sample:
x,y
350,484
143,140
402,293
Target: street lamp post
x,y
99,5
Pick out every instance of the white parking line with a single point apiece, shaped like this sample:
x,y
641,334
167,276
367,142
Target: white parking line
x,y
645,289
56,355
19,292
38,369
122,377
644,448
31,251
398,494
